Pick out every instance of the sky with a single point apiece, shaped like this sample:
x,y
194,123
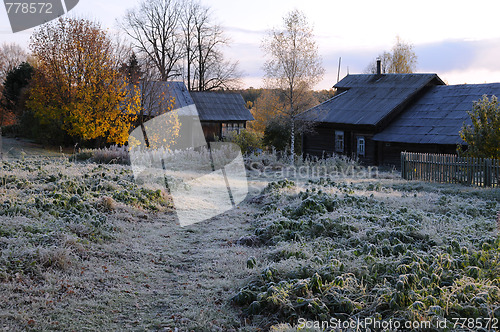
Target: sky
x,y
458,40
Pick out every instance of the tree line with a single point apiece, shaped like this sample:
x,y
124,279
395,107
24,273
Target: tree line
x,y
82,84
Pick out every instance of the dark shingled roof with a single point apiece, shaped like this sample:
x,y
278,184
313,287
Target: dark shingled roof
x,y
438,116
369,99
211,106
221,106
155,90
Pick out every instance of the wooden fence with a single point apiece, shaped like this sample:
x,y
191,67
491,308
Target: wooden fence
x,y
448,168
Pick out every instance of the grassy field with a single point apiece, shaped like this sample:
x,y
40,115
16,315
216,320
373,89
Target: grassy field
x,y
385,250
84,248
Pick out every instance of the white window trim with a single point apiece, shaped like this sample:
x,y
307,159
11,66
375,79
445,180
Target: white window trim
x,y
228,127
361,152
338,134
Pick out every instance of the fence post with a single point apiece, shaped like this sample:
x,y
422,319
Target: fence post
x,y
487,173
469,171
403,165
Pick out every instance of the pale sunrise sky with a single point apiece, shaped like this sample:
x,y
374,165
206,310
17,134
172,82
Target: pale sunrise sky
x,y
460,41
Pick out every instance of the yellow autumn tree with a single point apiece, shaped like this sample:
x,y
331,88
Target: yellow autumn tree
x,y
266,108
78,84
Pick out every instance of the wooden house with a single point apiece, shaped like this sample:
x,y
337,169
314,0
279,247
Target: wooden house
x,y
221,113
218,112
363,106
432,124
376,117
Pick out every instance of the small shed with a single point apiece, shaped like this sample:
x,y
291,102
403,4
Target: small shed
x,y
221,113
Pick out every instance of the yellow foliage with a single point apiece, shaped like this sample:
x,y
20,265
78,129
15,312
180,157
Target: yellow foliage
x,y
77,83
267,107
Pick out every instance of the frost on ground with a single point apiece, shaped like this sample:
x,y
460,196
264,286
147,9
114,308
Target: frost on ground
x,y
384,250
85,247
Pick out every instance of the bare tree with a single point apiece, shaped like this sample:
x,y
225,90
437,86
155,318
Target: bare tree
x,y
385,64
191,14
11,55
154,29
221,74
180,38
402,60
206,68
293,65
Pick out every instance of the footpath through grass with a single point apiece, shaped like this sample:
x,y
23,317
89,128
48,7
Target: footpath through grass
x,y
83,247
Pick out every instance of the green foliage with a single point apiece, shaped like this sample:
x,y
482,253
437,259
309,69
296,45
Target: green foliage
x,y
248,141
72,199
31,127
483,136
277,135
15,85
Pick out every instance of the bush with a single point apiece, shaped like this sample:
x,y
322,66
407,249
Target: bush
x,y
110,155
11,131
46,134
483,137
248,141
277,135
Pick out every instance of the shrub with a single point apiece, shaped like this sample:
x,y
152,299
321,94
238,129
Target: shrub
x,y
248,141
11,131
110,155
277,135
483,137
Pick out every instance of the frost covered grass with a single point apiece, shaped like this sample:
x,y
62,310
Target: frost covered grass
x,y
381,249
54,217
85,247
45,205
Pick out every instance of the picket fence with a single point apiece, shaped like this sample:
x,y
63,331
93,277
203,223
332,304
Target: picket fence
x,y
448,168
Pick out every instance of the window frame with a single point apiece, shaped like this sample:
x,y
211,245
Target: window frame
x,y
339,141
227,127
361,148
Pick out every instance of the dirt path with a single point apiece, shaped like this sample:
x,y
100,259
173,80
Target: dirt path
x,y
185,276
155,276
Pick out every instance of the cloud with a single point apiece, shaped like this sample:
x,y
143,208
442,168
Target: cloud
x,y
245,31
446,55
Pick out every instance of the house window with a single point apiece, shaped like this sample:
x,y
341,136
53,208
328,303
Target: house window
x,y
361,146
224,129
229,127
339,141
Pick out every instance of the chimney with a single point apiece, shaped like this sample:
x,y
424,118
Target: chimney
x,y
379,66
